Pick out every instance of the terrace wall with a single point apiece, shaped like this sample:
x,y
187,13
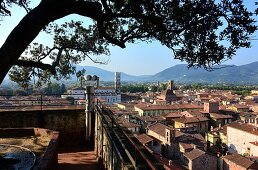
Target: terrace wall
x,y
70,123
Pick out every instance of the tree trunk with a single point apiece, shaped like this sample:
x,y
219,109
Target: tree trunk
x,y
30,26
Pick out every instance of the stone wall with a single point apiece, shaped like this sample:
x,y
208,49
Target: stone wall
x,y
48,158
70,123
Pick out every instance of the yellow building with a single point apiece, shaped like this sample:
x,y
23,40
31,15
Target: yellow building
x,y
218,135
154,110
239,108
254,92
199,123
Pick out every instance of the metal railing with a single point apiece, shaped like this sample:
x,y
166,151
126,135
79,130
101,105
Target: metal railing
x,y
131,152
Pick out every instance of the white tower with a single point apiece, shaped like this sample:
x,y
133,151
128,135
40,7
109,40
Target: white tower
x,y
118,81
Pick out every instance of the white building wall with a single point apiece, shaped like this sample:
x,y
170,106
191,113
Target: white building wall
x,y
239,141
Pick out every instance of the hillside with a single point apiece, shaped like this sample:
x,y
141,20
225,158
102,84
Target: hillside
x,y
225,73
107,75
244,74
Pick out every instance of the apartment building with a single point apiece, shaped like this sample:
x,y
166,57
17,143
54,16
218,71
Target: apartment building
x,y
154,110
243,138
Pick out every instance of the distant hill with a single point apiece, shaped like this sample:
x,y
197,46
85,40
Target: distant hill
x,y
225,73
180,73
107,75
244,74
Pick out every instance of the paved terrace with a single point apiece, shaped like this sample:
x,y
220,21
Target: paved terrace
x,y
77,158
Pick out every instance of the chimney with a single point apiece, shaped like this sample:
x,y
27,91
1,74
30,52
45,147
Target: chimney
x,y
256,121
169,162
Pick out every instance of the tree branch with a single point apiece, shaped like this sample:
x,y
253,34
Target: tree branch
x,y
27,63
45,55
30,26
106,8
103,33
58,57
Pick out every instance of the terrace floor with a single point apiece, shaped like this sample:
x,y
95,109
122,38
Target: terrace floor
x,y
77,158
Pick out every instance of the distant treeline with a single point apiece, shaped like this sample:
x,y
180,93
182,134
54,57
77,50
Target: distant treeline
x,y
49,89
238,89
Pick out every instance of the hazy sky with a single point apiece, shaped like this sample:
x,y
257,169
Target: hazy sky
x,y
136,59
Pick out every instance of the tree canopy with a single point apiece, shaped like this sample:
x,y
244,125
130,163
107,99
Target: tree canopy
x,y
200,32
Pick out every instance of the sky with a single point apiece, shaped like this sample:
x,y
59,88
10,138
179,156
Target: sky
x,y
140,58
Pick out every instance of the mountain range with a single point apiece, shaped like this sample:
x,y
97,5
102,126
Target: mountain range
x,y
244,74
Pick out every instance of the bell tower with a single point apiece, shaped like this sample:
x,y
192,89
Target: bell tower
x,y
170,85
118,81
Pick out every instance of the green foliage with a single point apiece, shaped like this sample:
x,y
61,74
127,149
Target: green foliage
x,y
153,88
6,4
72,44
237,89
21,76
200,32
80,73
163,86
134,88
243,92
54,88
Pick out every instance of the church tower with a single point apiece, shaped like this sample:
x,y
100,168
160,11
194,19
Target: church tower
x,y
170,85
118,81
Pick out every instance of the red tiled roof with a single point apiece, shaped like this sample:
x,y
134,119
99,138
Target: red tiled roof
x,y
147,118
191,119
194,113
244,127
143,138
173,115
186,145
241,106
130,124
219,116
158,128
239,160
168,107
195,153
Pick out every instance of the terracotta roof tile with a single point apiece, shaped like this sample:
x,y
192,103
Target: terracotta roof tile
x,y
195,153
219,116
143,138
186,145
147,118
191,119
130,124
173,115
158,128
244,127
239,160
168,107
